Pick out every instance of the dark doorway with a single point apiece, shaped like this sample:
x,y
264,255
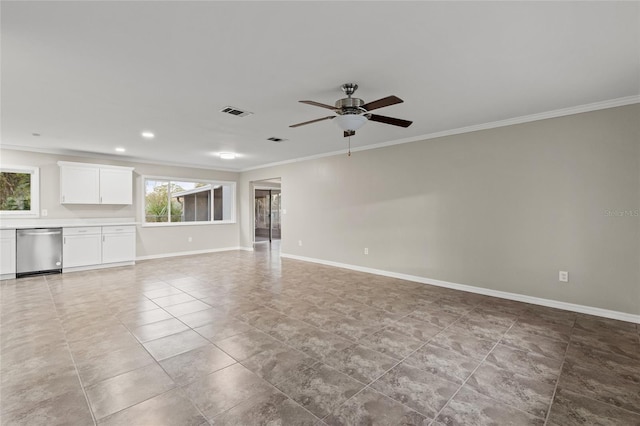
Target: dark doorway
x,y
267,215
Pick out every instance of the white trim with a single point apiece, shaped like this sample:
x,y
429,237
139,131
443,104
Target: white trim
x,y
595,106
100,266
606,313
246,248
34,211
187,253
169,179
199,223
612,103
120,158
98,166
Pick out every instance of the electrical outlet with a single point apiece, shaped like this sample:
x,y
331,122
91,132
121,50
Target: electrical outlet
x,y
284,211
563,276
366,250
44,212
300,243
190,239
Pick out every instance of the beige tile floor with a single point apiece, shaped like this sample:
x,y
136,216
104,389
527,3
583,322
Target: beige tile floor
x,y
242,338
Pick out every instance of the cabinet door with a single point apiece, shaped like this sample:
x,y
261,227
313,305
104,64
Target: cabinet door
x,y
79,185
81,250
8,257
118,247
116,186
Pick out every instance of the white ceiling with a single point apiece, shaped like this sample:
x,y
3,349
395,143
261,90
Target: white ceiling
x,y
90,76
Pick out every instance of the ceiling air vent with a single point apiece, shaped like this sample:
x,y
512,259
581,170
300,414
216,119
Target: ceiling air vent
x,y
274,139
235,111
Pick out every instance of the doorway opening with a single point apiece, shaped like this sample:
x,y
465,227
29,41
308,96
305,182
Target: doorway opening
x,y
267,211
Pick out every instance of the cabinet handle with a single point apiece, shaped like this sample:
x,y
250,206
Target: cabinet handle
x,y
64,240
103,238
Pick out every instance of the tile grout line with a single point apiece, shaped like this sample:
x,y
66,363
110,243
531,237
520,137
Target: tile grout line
x,y
483,360
320,361
158,363
555,388
502,402
368,385
357,342
128,371
73,360
473,372
181,387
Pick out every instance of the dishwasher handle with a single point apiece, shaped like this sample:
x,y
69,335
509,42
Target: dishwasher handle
x,y
41,233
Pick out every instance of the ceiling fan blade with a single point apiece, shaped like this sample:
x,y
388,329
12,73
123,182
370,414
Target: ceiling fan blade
x,y
313,121
318,104
348,133
380,103
389,120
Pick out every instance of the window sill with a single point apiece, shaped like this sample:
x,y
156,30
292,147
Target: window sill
x,y
170,224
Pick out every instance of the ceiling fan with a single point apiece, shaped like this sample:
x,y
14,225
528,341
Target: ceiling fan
x,y
353,113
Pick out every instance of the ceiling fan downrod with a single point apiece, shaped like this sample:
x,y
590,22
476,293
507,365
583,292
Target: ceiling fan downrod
x,y
349,105
349,88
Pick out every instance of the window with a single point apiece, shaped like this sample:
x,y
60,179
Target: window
x,y
19,191
173,201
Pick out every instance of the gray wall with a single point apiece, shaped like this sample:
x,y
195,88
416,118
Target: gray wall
x,y
503,209
150,240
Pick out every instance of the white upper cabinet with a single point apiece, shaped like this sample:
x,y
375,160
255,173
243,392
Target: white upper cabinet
x,y
116,186
83,183
79,184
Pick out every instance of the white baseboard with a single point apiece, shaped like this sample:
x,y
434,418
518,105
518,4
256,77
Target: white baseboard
x,y
101,266
590,310
246,248
188,253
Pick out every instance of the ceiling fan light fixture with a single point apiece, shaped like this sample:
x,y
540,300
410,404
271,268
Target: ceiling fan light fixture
x,y
350,122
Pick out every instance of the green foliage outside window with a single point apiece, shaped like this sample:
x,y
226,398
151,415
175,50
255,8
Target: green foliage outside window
x,y
15,191
157,205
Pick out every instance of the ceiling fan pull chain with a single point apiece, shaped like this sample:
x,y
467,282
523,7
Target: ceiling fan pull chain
x,y
349,155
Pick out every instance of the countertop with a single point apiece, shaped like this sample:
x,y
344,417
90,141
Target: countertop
x,y
64,223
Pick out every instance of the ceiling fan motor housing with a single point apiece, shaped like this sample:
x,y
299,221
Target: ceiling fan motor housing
x,y
350,106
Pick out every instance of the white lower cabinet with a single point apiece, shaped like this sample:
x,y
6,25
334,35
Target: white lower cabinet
x,y
81,246
118,244
7,253
97,246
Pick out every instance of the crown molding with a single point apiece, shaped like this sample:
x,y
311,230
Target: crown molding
x,y
595,106
612,103
121,158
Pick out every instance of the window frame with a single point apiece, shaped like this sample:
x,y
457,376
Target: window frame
x,y
169,179
34,211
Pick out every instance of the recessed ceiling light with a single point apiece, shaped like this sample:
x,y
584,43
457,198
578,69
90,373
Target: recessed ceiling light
x,y
120,149
227,155
35,134
148,135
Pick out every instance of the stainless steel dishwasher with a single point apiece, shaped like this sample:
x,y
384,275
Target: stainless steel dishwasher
x,y
38,251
